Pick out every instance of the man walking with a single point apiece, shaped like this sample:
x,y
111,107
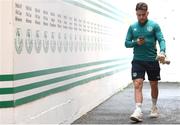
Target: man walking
x,y
142,37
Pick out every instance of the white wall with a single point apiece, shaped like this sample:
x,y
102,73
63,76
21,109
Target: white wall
x,y
43,91
79,70
6,57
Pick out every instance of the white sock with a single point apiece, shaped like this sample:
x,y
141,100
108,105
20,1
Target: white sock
x,y
139,106
154,102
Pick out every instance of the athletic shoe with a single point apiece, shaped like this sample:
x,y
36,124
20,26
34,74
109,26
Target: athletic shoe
x,y
137,116
154,112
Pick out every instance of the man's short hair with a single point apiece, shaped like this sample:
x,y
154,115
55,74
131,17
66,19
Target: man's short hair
x,y
141,6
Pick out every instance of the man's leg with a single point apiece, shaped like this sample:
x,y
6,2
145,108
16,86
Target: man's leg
x,y
153,72
154,91
138,85
154,95
137,73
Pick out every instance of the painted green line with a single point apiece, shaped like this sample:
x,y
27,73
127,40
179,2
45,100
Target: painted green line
x,y
54,80
5,104
13,77
6,90
8,77
111,6
76,3
102,7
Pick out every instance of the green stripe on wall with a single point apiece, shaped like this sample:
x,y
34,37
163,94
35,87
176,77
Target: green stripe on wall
x,y
54,80
111,6
102,7
12,77
76,3
6,104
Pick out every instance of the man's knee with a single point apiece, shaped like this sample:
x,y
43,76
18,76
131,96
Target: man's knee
x,y
138,83
154,83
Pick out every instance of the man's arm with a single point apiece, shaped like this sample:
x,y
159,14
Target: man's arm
x,y
129,43
160,38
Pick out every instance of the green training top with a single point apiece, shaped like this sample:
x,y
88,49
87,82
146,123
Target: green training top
x,y
151,33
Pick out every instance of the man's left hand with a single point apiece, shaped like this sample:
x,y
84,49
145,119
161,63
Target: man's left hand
x,y
161,57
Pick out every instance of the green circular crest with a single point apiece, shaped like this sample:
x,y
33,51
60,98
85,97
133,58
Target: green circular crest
x,y
70,43
80,43
65,43
75,43
38,43
59,43
18,41
29,41
53,42
45,42
84,43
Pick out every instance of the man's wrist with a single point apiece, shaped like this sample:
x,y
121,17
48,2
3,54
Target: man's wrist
x,y
135,43
162,53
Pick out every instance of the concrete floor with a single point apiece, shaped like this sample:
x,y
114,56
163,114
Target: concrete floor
x,y
118,108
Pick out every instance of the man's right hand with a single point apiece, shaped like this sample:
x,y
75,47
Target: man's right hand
x,y
140,41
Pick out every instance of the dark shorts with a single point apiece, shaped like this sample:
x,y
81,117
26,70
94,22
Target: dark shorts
x,y
139,68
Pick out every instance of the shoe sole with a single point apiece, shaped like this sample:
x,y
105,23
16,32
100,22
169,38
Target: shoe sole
x,y
153,116
135,119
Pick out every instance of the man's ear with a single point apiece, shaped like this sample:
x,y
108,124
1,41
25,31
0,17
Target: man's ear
x,y
147,13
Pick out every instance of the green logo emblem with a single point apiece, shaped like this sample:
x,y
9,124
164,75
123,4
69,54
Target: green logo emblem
x,y
59,43
29,41
18,41
65,43
80,43
46,42
88,43
70,43
53,42
38,43
134,74
84,43
149,28
75,43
